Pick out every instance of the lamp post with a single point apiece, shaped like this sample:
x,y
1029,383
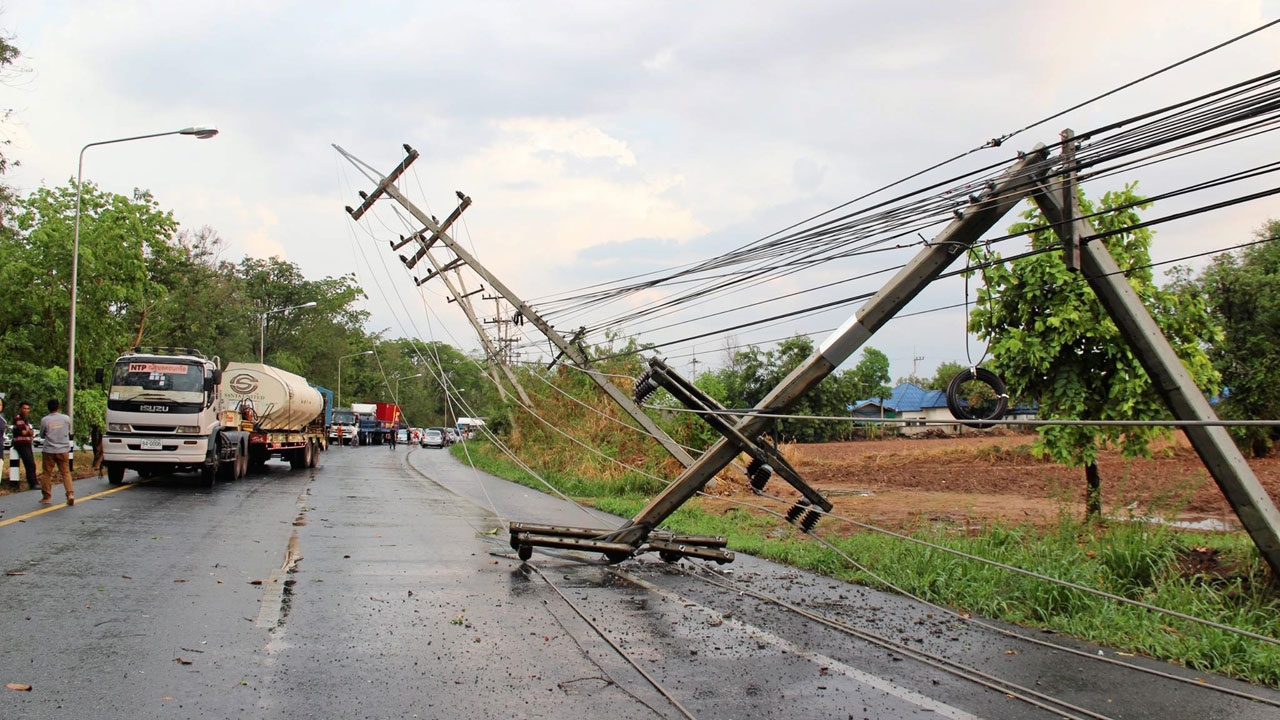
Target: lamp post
x,y
262,327
344,357
396,395
200,132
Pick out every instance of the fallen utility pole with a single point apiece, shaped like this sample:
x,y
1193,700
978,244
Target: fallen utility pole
x,y
958,236
1172,382
567,348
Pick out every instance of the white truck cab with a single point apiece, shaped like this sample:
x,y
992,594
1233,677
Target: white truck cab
x,y
163,413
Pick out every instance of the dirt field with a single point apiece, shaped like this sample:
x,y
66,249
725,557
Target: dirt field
x,y
975,479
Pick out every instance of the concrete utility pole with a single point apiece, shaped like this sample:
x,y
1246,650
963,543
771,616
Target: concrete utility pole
x,y
1174,384
1016,183
567,348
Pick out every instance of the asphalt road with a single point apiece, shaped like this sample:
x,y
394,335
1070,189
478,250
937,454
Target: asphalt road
x,y
381,585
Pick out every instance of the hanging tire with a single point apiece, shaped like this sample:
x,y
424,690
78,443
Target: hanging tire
x,y
962,413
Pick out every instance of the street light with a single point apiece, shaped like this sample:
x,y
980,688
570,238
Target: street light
x,y
396,395
344,357
262,327
200,132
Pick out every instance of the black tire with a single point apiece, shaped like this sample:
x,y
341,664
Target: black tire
x,y
208,474
961,413
115,474
315,454
242,464
616,556
669,556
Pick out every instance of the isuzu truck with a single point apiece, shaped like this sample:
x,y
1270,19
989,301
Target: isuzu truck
x,y
173,410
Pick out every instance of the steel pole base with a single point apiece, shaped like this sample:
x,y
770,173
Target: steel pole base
x,y
669,546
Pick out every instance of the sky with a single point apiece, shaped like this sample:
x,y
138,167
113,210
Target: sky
x,y
598,140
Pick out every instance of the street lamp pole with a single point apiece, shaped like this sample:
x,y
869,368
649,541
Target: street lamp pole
x,y
262,328
396,395
344,357
200,132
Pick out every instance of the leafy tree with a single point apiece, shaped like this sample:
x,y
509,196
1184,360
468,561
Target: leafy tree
x,y
1243,293
947,370
1052,342
871,376
9,54
118,237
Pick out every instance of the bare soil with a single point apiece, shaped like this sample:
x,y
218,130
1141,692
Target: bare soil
x,y
974,480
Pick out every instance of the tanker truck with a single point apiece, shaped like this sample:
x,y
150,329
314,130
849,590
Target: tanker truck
x,y
285,415
174,410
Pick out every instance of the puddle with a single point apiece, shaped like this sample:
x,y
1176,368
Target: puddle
x,y
1208,524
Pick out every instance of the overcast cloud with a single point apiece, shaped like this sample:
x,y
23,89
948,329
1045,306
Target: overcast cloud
x,y
597,140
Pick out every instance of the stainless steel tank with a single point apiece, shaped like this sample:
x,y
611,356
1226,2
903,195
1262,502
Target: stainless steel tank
x,y
280,399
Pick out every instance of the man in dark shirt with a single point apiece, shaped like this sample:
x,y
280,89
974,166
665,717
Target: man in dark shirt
x,y
22,434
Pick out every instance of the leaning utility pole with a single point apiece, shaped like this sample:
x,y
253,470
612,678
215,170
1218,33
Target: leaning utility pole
x,y
567,347
437,269
1059,202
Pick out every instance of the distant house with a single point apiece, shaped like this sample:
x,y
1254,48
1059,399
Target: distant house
x,y
911,403
915,405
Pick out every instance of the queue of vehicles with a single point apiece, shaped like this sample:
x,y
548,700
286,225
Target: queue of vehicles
x,y
175,410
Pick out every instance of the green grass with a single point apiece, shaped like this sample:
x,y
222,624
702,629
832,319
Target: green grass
x,y
1133,560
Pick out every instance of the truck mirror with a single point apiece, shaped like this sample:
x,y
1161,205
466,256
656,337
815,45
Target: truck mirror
x,y
97,375
209,383
217,376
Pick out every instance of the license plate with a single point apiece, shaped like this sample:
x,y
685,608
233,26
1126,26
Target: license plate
x,y
151,444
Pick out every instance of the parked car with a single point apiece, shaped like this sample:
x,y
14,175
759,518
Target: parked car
x,y
433,438
444,432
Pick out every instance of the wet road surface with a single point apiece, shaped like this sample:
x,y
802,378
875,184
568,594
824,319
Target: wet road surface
x,y
378,585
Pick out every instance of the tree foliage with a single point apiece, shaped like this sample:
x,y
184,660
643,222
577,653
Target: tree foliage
x,y
145,281
1243,293
1054,344
752,372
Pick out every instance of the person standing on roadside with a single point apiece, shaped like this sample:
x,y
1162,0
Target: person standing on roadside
x,y
22,434
4,426
56,430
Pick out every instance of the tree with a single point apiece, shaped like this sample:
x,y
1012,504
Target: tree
x,y
118,237
9,54
871,376
1053,343
1243,293
943,375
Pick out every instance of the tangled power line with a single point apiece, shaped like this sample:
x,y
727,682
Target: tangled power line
x,y
1232,114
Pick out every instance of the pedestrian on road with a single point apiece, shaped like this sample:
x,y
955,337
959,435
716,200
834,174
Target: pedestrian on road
x,y
95,441
55,427
4,426
22,434
391,439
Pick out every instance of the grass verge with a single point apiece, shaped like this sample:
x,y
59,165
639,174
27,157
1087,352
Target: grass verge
x,y
1142,562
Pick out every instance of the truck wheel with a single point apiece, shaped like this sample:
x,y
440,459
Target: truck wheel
x,y
242,464
297,458
115,474
208,474
315,455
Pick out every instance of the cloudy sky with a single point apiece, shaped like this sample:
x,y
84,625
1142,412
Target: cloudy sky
x,y
597,139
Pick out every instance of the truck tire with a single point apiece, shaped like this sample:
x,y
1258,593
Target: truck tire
x,y
298,458
209,474
242,463
315,454
115,474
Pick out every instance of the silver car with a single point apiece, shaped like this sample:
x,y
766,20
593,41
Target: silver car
x,y
433,438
